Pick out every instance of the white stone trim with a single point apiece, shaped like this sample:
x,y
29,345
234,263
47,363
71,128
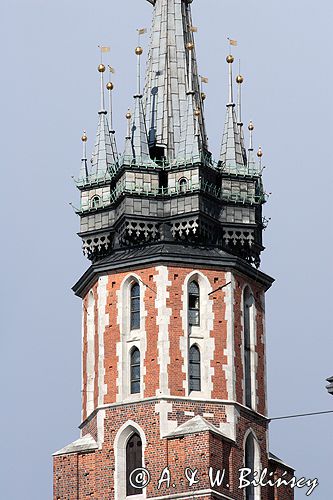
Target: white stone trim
x,y
83,396
103,321
200,335
90,363
163,321
253,344
163,408
229,351
119,446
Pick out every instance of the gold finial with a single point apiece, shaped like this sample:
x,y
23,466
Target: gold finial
x,y
84,137
110,86
190,46
260,153
251,126
101,68
230,59
128,115
197,113
239,79
203,96
139,51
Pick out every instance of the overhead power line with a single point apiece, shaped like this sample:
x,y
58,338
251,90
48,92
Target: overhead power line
x,y
302,415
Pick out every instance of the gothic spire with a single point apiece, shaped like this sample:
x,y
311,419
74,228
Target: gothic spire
x,y
231,157
172,76
103,160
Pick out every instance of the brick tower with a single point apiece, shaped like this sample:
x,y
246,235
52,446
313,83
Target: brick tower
x,y
174,375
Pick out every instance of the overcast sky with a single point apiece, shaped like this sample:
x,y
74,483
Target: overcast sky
x,y
48,94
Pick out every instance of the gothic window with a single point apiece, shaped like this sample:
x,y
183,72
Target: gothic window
x,y
95,202
183,185
250,464
248,304
135,306
193,304
135,371
194,369
133,462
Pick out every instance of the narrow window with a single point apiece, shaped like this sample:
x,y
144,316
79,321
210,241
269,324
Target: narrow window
x,y
249,463
133,462
194,369
183,185
96,202
135,371
194,304
135,306
248,304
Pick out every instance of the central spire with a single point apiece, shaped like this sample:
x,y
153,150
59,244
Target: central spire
x,y
172,91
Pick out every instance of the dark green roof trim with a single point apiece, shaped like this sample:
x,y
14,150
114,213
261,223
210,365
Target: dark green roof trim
x,y
168,253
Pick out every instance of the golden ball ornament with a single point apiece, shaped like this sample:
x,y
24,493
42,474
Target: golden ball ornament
x,y
203,96
139,51
110,86
84,137
101,68
260,153
230,59
128,115
239,79
251,126
190,46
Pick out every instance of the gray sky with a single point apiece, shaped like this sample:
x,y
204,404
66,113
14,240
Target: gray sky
x,y
48,94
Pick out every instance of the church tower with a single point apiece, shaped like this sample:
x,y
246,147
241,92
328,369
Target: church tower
x,y
174,373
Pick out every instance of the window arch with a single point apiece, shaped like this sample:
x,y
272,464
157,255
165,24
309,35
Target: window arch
x,y
183,183
193,304
248,336
194,369
135,306
95,201
250,464
133,461
135,371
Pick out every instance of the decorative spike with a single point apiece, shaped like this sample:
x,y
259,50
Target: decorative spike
x,y
240,80
101,69
128,151
231,157
84,162
110,88
104,159
251,159
139,52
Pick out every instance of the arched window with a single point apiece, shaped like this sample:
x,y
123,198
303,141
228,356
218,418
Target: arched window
x,y
133,462
95,202
194,369
135,371
135,306
248,304
182,185
193,304
250,464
